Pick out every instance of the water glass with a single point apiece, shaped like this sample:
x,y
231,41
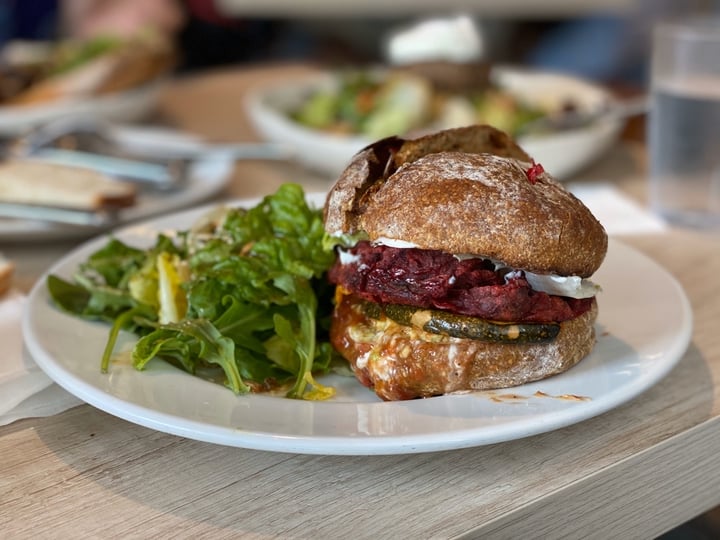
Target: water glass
x,y
684,122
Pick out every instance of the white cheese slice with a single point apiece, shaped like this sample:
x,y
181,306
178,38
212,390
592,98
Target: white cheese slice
x,y
572,286
392,242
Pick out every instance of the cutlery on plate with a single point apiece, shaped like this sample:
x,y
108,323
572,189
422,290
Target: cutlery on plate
x,y
79,143
140,142
162,176
67,216
155,158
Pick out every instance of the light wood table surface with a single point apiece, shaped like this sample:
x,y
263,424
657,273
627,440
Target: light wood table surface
x,y
633,472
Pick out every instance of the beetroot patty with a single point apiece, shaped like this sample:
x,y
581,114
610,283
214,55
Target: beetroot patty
x,y
435,279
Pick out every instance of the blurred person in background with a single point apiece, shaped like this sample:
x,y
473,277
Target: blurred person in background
x,y
612,49
27,20
204,36
78,48
88,18
82,19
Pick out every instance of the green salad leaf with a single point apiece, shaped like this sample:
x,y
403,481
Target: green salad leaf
x,y
376,105
243,292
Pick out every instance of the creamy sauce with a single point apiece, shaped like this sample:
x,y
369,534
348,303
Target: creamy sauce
x,y
394,243
347,257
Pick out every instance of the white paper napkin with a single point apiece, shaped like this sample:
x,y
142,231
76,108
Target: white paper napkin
x,y
618,214
25,390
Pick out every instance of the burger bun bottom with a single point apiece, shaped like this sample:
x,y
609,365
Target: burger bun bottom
x,y
401,362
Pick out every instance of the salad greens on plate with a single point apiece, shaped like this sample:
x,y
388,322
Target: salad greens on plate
x,y
240,296
377,106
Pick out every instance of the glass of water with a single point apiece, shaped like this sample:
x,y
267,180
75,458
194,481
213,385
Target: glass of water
x,y
684,122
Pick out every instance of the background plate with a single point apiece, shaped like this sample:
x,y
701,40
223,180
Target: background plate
x,y
643,329
206,178
127,106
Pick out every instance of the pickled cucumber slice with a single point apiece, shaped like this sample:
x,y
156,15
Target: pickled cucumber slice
x,y
463,326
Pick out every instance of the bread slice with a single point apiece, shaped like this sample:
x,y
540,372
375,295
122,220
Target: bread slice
x,y
7,269
48,184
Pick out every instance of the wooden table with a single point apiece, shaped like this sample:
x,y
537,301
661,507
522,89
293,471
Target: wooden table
x,y
636,471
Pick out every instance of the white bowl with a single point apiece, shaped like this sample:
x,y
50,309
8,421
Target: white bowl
x,y
561,154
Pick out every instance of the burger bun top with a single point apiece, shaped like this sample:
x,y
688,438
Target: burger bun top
x,y
467,191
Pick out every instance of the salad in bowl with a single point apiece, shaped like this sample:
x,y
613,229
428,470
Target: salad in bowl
x,y
329,116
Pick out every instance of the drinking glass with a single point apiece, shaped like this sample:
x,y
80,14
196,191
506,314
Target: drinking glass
x,y
684,122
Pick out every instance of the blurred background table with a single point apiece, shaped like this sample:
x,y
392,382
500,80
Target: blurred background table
x,y
636,471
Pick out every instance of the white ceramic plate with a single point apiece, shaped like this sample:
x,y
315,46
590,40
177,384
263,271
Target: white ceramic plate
x,y
206,178
562,154
127,106
643,330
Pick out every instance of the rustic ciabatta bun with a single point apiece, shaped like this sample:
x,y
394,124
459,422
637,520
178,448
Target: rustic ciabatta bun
x,y
371,167
47,184
477,139
497,211
403,362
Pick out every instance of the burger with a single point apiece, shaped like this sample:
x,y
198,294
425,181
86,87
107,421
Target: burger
x,y
461,265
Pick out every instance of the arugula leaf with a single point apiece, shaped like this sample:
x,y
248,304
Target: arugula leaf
x,y
243,322
88,300
122,321
245,292
69,296
198,336
168,344
114,263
